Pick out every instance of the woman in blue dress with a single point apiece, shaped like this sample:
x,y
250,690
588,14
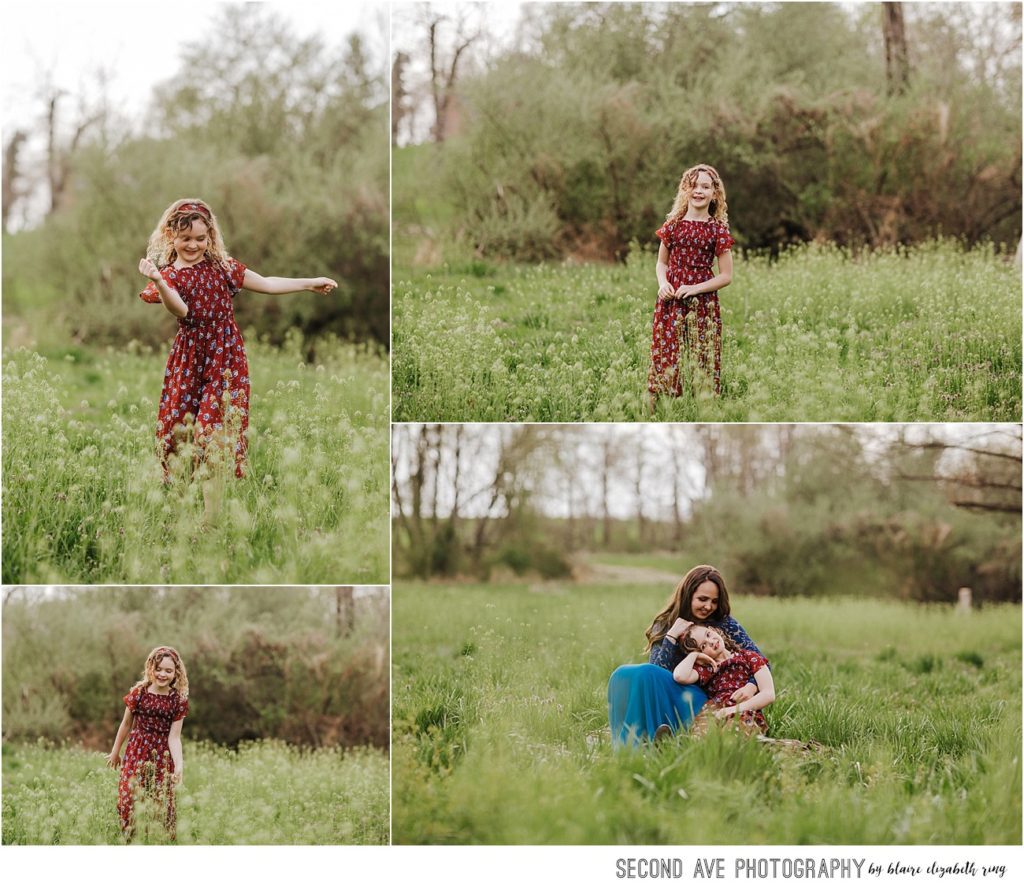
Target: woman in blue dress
x,y
644,701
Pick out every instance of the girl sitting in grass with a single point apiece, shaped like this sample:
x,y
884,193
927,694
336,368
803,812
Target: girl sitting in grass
x,y
206,382
152,766
721,668
687,317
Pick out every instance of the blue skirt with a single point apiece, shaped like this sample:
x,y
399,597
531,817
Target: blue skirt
x,y
641,697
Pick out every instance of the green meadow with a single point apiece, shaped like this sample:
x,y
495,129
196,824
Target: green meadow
x,y
908,718
260,794
931,332
84,500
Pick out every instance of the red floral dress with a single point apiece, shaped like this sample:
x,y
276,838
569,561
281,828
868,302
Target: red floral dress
x,y
732,675
693,324
147,757
207,375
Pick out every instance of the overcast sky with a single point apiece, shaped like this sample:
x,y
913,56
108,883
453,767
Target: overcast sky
x,y
581,443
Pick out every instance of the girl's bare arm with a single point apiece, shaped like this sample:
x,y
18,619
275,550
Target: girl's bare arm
x,y
685,674
114,759
665,289
765,695
276,286
722,279
168,296
174,745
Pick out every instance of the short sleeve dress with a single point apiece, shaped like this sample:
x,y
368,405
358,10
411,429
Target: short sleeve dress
x,y
147,757
206,381
732,675
691,328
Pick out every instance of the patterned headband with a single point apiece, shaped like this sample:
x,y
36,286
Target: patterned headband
x,y
194,208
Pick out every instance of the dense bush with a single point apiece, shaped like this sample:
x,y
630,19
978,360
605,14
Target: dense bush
x,y
262,663
575,145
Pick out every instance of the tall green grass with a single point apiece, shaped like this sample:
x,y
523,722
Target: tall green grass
x,y
84,501
260,794
931,332
500,725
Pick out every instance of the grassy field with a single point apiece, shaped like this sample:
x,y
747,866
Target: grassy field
x,y
261,794
929,333
500,725
84,502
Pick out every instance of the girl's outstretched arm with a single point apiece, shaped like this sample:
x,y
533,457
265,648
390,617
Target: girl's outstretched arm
x,y
276,286
168,296
722,279
114,759
765,695
174,745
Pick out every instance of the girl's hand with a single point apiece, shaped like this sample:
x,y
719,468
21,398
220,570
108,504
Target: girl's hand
x,y
114,760
685,292
745,693
726,712
149,269
678,628
323,286
178,777
666,291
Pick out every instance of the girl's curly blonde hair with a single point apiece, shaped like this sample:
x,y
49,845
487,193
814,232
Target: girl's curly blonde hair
x,y
179,217
180,680
717,208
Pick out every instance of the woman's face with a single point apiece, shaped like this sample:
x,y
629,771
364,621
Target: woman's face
x,y
164,672
704,603
708,641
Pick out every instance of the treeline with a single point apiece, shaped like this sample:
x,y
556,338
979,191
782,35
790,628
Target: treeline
x,y
308,666
784,510
575,145
286,138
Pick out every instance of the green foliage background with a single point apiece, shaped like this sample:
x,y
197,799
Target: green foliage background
x,y
286,138
262,663
574,142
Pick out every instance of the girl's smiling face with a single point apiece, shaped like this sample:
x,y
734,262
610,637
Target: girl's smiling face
x,y
190,243
702,192
704,603
164,673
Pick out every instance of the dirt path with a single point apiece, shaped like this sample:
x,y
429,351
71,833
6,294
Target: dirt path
x,y
611,574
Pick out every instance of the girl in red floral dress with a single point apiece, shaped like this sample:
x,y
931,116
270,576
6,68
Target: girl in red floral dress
x,y
152,764
206,384
721,668
687,318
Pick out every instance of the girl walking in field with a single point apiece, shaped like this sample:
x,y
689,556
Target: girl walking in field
x,y
687,317
644,701
721,668
152,766
206,382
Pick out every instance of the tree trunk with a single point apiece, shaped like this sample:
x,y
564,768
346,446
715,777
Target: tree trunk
x,y
11,172
897,62
344,610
